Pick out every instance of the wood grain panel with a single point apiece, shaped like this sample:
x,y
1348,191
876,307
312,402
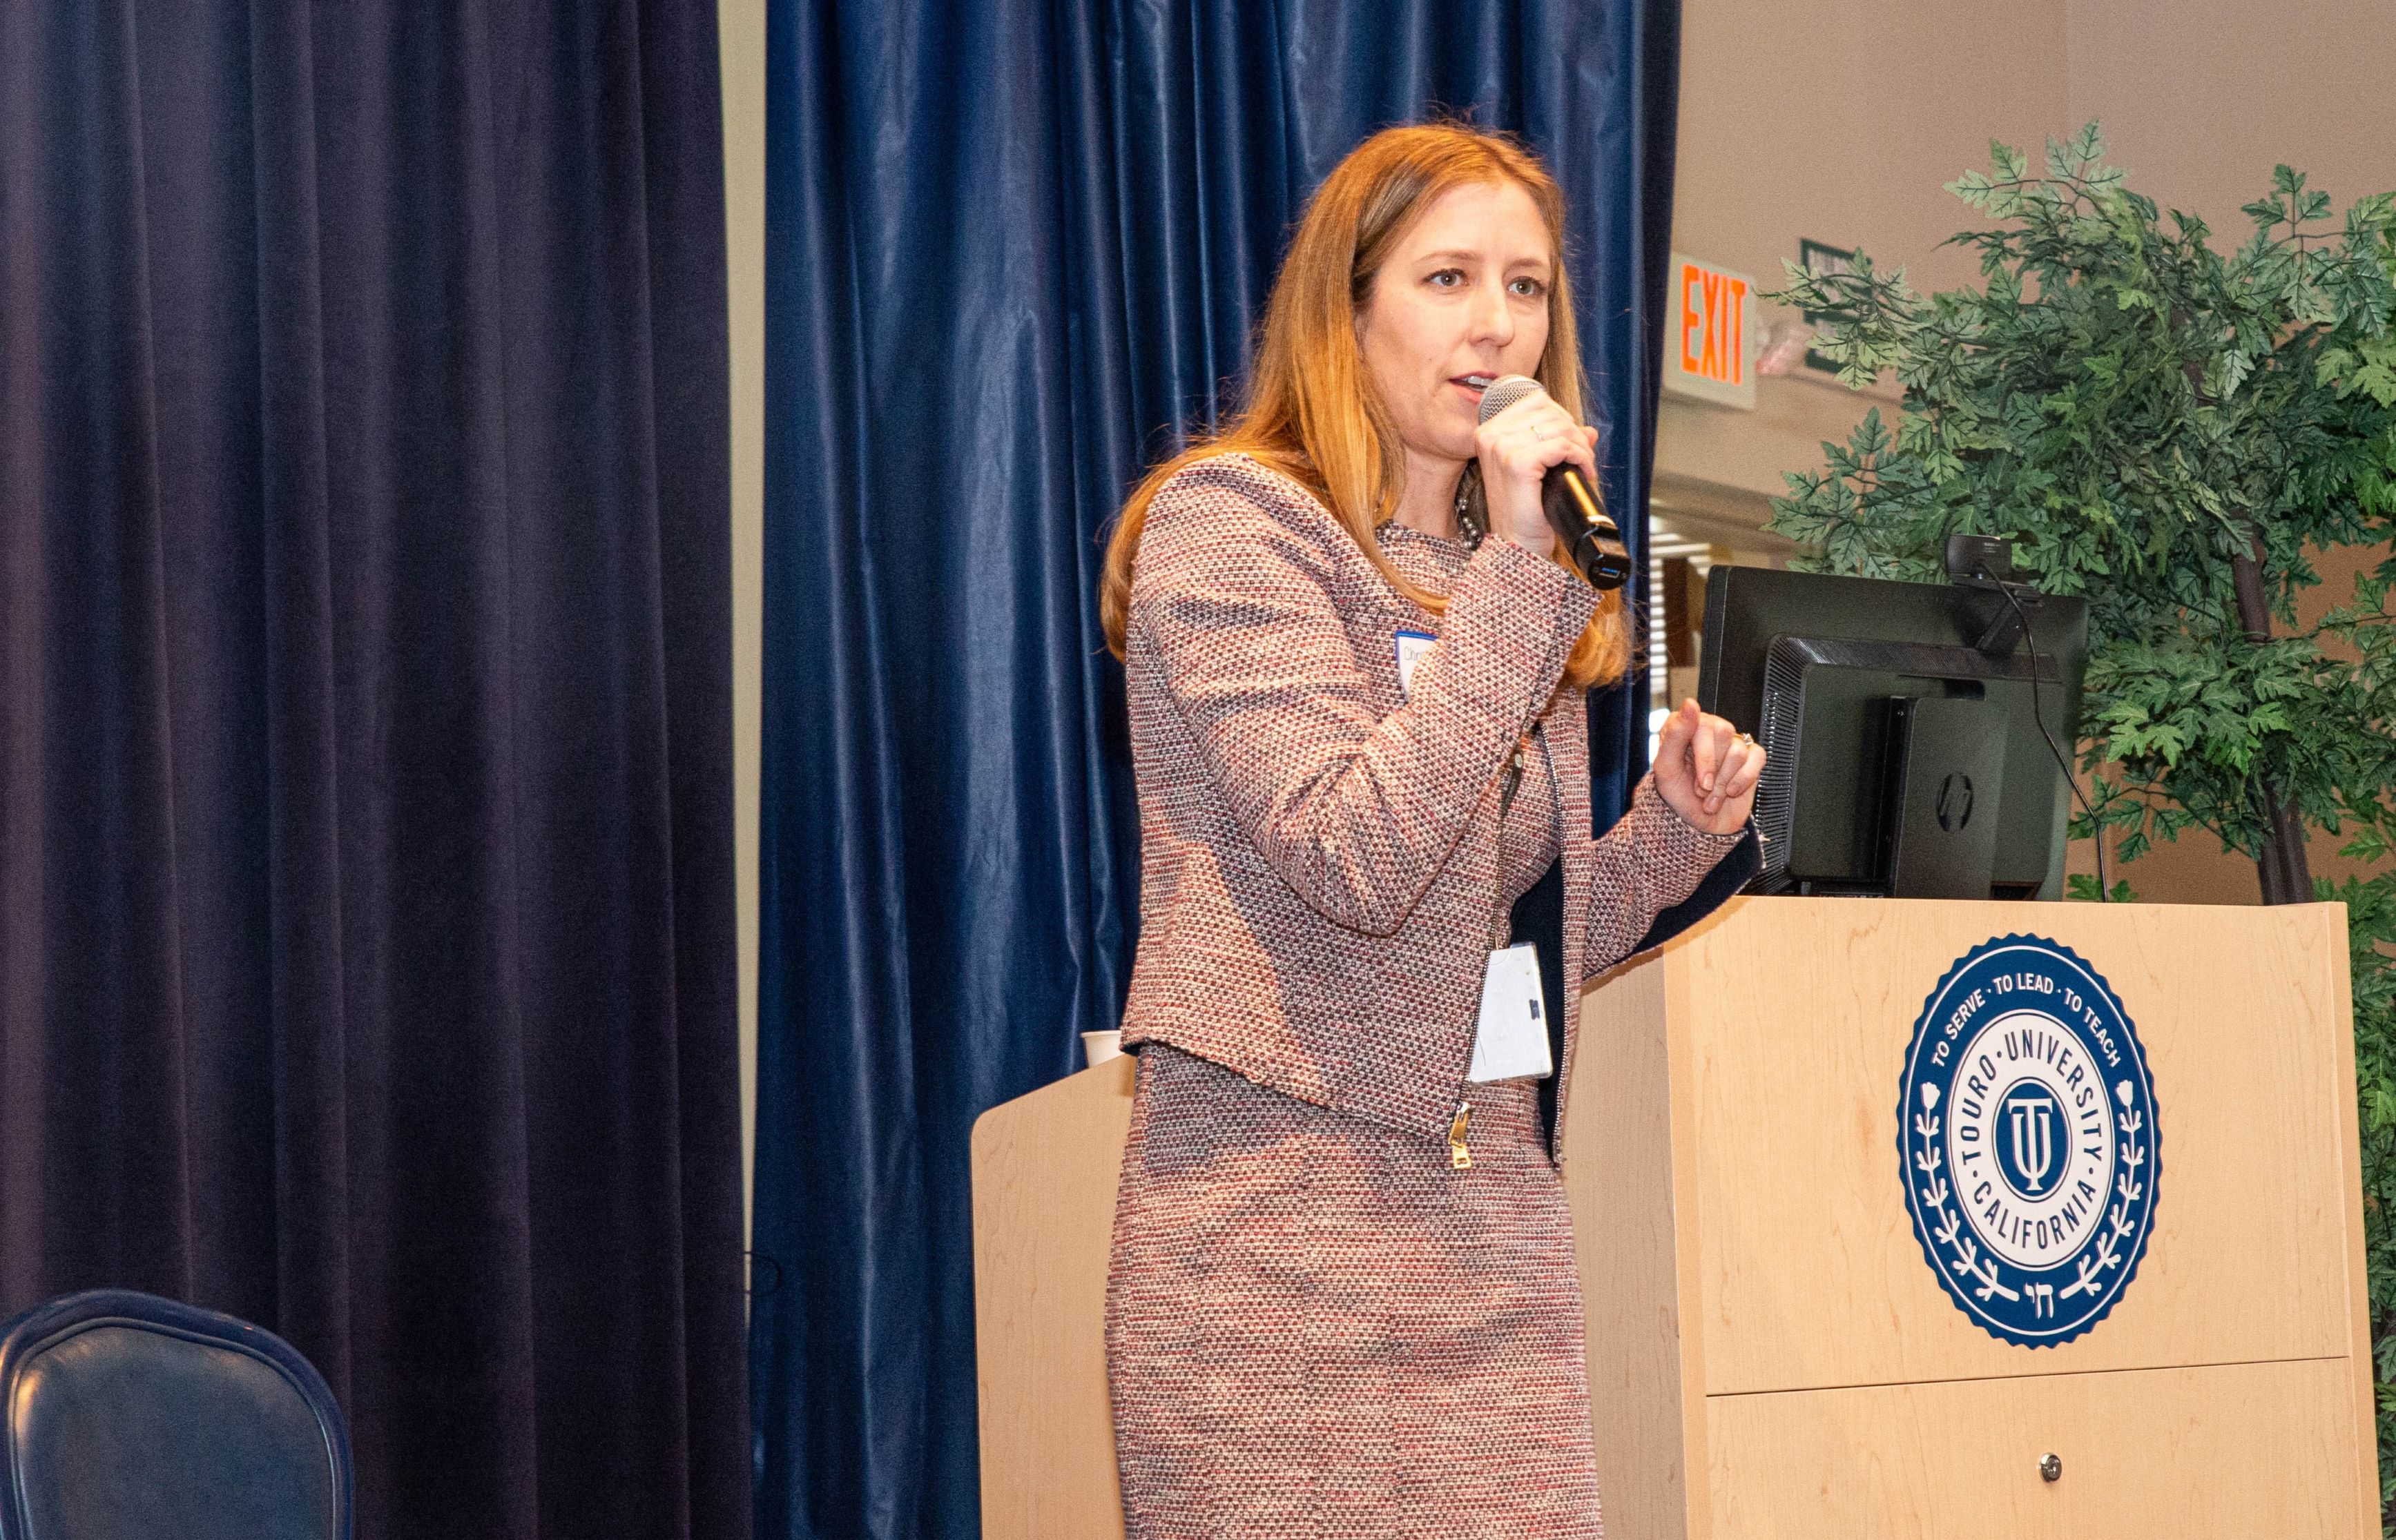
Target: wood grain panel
x,y
1619,1177
2358,1283
2238,1449
1800,1012
1045,1171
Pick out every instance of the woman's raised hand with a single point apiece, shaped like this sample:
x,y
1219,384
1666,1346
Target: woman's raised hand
x,y
1516,447
1706,770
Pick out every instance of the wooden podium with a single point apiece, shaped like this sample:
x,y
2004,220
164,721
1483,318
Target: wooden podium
x,y
1770,1353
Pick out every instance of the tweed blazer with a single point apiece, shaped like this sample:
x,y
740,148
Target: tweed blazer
x,y
1320,850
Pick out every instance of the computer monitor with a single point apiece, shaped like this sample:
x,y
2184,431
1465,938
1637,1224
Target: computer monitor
x,y
1907,756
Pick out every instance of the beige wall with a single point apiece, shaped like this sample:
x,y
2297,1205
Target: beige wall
x,y
741,29
2201,98
1842,121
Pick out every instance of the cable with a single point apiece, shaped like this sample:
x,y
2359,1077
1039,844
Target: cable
x,y
2104,890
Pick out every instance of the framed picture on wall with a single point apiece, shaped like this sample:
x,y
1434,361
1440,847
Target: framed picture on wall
x,y
1819,257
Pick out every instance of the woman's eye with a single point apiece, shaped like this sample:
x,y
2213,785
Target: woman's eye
x,y
1446,278
1527,288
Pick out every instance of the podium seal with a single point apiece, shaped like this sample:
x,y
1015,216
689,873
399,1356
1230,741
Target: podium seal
x,y
2027,1140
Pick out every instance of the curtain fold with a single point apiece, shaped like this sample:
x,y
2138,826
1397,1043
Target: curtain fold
x,y
366,895
1013,250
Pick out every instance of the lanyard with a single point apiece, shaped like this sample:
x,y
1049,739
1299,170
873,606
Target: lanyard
x,y
1501,927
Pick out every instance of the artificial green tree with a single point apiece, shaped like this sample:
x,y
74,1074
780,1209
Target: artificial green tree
x,y
2176,434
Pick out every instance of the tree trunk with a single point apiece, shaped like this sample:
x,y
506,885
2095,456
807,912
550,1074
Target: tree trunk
x,y
2286,876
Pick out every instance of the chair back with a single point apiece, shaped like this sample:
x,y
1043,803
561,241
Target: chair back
x,y
125,1417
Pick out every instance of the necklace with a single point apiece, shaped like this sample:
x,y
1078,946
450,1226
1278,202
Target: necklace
x,y
1472,508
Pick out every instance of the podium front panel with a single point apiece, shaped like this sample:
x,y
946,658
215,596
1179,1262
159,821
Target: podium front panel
x,y
1044,1169
1799,1014
2232,1449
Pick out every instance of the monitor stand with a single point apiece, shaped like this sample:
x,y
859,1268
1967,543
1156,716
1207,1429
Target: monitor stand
x,y
1947,773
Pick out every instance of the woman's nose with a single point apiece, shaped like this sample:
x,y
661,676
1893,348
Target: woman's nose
x,y
1492,319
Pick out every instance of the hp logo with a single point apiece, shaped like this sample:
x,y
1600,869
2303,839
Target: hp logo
x,y
1955,802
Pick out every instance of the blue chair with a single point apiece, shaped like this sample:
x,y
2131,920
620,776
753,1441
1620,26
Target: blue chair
x,y
131,1417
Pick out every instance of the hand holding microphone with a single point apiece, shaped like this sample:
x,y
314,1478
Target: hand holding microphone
x,y
1539,471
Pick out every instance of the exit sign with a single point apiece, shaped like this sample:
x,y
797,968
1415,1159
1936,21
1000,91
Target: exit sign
x,y
1706,353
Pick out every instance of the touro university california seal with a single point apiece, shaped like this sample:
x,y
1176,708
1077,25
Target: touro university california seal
x,y
2027,1140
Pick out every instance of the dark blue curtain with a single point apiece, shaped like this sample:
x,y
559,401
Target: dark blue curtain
x,y
365,874
1013,248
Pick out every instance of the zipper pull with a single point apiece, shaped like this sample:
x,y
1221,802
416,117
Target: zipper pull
x,y
1458,1157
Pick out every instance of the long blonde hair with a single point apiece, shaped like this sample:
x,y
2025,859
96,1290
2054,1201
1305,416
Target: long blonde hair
x,y
1311,411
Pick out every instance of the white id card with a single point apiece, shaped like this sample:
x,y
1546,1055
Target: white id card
x,y
1411,646
1512,1040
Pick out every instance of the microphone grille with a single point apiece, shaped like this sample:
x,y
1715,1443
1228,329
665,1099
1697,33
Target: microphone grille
x,y
1504,393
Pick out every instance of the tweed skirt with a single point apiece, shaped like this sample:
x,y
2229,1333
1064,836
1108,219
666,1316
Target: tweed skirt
x,y
1318,1329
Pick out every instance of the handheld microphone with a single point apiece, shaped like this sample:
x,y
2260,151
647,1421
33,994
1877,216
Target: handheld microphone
x,y
1573,510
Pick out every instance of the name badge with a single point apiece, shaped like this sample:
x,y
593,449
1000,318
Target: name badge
x,y
1513,1040
1411,646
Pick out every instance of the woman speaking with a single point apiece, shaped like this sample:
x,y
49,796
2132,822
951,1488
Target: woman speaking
x,y
1343,1300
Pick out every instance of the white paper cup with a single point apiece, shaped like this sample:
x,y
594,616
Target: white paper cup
x,y
1098,1047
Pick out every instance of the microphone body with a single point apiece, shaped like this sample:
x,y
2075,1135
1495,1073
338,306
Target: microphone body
x,y
1573,510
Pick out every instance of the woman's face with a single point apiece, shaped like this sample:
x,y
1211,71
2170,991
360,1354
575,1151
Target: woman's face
x,y
1462,301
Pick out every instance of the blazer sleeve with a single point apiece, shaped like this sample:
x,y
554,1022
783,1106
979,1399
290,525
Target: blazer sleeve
x,y
1357,810
1650,862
